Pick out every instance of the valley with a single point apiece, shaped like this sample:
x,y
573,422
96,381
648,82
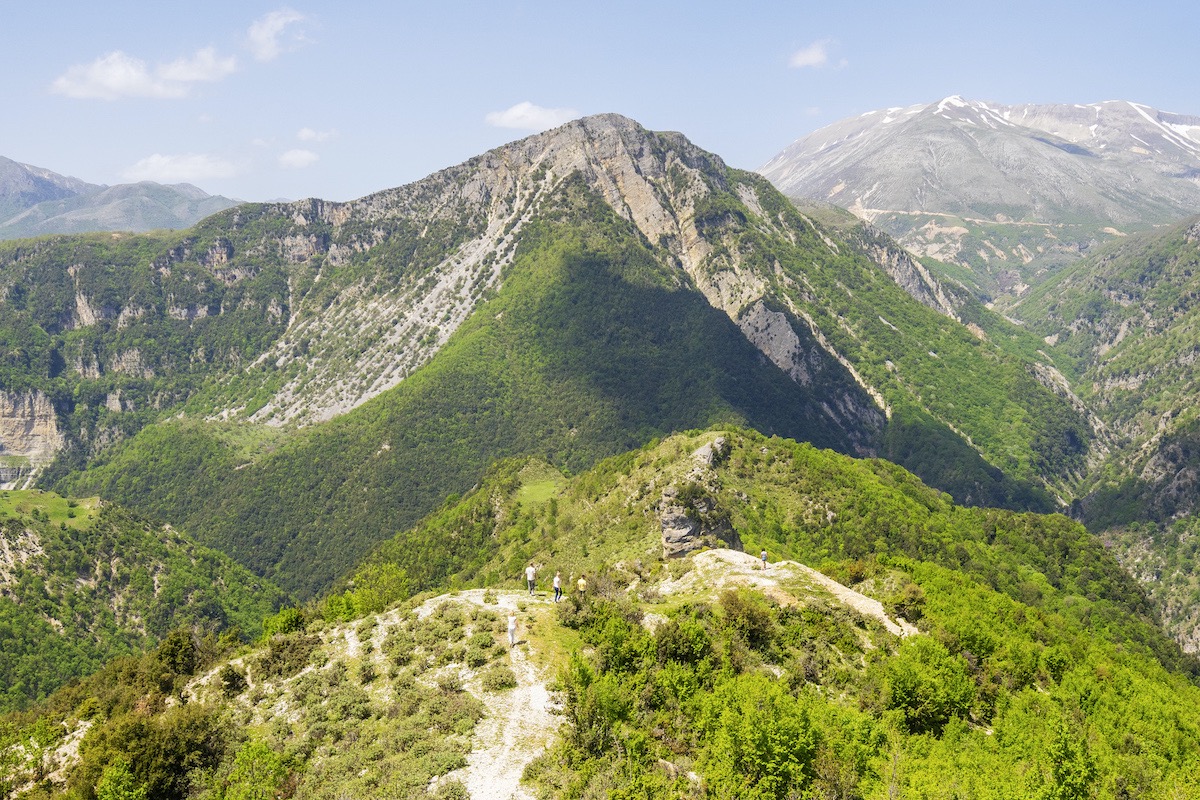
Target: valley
x,y
271,481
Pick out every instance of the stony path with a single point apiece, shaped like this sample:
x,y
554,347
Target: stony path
x,y
714,570
520,722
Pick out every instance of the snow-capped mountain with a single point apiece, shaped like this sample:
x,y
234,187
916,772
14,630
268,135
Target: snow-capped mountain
x,y
1006,191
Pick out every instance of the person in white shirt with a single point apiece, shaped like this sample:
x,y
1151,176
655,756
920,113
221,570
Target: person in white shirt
x,y
512,628
557,586
529,577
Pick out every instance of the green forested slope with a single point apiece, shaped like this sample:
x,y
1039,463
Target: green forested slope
x,y
590,348
1126,323
82,582
596,340
1035,672
1039,666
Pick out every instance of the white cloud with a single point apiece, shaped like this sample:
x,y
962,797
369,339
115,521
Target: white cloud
x,y
112,76
272,33
188,167
119,74
298,159
204,66
310,135
814,55
527,116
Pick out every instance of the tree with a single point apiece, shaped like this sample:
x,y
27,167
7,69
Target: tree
x,y
118,783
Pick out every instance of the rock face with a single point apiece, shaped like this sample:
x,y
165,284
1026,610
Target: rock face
x,y
29,434
658,181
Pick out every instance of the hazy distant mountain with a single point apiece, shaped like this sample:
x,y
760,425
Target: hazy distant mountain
x,y
23,186
1005,191
35,201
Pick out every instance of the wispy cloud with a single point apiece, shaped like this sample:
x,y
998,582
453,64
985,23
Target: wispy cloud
x,y
271,34
187,167
527,116
119,74
814,55
204,66
310,135
298,159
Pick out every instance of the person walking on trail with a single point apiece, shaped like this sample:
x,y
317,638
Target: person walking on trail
x,y
582,585
512,628
557,586
530,573
763,556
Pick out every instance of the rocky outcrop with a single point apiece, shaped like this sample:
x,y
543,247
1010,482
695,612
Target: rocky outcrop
x,y
29,434
910,274
773,335
689,515
693,526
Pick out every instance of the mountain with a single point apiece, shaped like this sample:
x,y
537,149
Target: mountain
x,y
84,581
1010,193
342,367
940,649
36,202
23,186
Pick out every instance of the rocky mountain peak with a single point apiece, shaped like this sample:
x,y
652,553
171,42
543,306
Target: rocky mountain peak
x,y
1008,191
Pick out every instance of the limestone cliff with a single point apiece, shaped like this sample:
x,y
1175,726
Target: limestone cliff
x,y
29,434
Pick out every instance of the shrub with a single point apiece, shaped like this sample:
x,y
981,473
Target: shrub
x,y
233,682
450,682
288,654
498,678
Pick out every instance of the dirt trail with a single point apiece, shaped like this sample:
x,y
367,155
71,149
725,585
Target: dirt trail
x,y
520,722
714,570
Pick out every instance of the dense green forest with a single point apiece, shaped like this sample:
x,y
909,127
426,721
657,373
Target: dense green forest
x,y
84,581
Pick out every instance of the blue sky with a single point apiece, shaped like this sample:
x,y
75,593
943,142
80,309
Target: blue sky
x,y
267,100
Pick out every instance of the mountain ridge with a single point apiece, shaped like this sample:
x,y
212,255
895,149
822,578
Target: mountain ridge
x,y
1009,191
35,201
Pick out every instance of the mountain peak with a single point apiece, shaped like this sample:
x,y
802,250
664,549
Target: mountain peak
x,y
982,184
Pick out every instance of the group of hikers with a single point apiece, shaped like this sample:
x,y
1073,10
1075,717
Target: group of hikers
x,y
580,586
531,580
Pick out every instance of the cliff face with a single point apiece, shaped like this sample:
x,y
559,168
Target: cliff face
x,y
456,231
29,435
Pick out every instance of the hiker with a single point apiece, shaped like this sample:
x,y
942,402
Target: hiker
x,y
763,556
529,577
557,586
512,628
582,585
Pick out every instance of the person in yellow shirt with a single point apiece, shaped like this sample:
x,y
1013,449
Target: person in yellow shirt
x,y
582,585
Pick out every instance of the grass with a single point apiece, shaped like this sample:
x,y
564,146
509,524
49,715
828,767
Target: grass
x,y
539,482
75,514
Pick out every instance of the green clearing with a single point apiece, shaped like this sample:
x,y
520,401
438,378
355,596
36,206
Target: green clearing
x,y
49,507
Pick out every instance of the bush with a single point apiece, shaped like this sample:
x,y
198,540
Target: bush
x,y
233,682
927,685
288,654
498,678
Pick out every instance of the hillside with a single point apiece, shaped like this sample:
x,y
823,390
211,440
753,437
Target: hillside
x,y
1011,193
950,650
82,581
1123,322
575,294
